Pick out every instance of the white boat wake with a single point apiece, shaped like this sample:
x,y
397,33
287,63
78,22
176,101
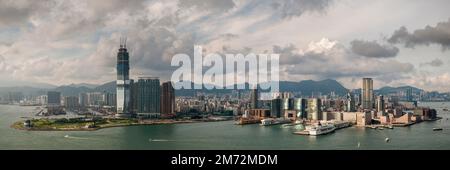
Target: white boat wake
x,y
72,137
159,140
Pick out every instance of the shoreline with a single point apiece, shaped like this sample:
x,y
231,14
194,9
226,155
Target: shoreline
x,y
19,125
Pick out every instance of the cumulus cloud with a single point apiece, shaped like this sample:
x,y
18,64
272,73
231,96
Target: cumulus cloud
x,y
288,54
18,12
430,81
373,49
76,41
434,63
61,45
330,59
439,34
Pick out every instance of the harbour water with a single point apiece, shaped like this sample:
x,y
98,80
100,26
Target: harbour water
x,y
223,135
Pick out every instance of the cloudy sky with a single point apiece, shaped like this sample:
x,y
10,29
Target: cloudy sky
x,y
400,42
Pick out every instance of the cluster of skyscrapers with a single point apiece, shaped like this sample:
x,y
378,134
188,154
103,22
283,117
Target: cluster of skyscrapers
x,y
285,105
365,110
143,98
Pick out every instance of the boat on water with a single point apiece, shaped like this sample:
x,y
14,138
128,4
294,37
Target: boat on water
x,y
437,129
341,124
373,127
274,121
387,140
297,122
445,109
380,128
390,127
319,129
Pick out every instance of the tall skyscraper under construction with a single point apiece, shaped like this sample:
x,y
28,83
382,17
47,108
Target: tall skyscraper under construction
x,y
123,81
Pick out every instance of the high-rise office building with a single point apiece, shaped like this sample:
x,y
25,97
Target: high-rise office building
x,y
42,100
83,100
15,97
380,105
71,102
96,99
148,95
314,109
409,95
123,81
53,98
110,99
300,105
350,105
167,98
53,102
134,96
367,94
254,98
394,100
276,107
288,104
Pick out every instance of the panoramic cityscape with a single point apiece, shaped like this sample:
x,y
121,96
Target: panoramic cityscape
x,y
82,75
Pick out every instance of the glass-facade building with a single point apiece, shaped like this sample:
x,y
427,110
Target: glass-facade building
x,y
167,98
314,109
367,94
276,107
123,82
54,98
300,105
148,95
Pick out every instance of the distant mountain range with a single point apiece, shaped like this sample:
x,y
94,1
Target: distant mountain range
x,y
391,90
306,88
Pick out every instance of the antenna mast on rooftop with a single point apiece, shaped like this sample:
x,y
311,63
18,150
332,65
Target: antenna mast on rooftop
x,y
123,42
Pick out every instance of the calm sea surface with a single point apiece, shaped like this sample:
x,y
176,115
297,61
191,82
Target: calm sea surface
x,y
222,135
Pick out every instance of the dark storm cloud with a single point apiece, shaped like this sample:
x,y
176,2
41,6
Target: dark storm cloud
x,y
439,34
373,49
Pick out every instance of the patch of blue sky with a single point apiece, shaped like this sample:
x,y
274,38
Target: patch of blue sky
x,y
9,35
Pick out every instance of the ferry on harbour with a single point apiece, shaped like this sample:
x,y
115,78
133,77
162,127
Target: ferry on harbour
x,y
317,129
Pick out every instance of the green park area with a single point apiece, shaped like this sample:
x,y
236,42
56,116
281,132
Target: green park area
x,y
73,124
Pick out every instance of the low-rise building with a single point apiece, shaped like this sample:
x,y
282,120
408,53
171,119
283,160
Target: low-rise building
x,y
363,118
290,114
404,119
259,113
349,116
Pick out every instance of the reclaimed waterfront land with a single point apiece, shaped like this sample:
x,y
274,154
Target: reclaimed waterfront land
x,y
80,124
